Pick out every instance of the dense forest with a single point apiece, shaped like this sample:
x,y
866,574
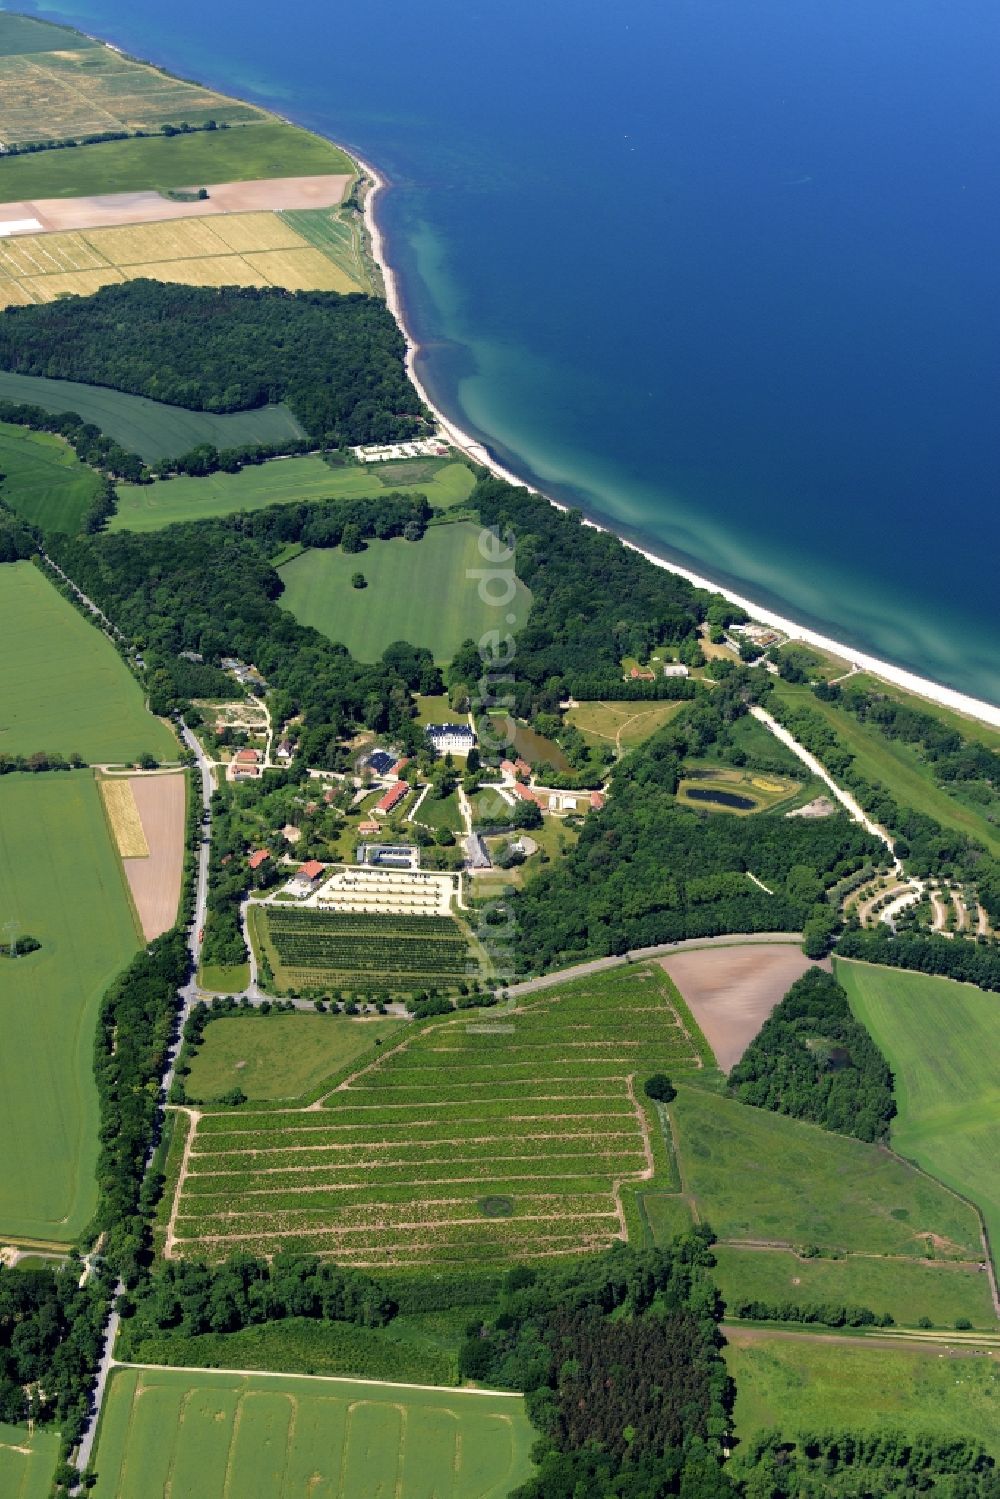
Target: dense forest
x,y
646,870
594,600
50,1343
619,1358
208,588
812,1060
925,952
338,361
862,1465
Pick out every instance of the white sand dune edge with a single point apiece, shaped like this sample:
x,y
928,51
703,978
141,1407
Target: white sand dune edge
x,y
935,692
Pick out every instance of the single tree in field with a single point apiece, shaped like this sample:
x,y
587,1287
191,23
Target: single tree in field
x,y
660,1088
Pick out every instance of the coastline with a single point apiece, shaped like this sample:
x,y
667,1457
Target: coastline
x,y
897,676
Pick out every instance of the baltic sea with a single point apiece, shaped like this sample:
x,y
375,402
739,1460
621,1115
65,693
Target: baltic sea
x,y
724,275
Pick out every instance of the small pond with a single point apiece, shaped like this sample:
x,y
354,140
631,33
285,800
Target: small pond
x,y
719,798
534,748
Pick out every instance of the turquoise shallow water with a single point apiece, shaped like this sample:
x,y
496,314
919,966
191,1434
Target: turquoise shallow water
x,y
723,275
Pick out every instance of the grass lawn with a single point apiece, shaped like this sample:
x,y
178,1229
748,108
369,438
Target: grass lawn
x,y
418,591
665,1215
441,812
243,153
65,687
212,1434
622,725
906,1289
285,481
801,1386
61,881
942,1040
43,479
27,1462
224,978
435,710
280,1056
897,767
757,1175
149,428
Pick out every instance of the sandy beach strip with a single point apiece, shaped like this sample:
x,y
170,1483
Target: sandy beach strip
x,y
898,676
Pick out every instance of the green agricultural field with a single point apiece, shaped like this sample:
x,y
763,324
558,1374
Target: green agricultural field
x,y
243,153
149,428
418,591
213,1435
66,689
757,1175
280,1056
942,1040
801,1384
27,1461
285,481
896,766
906,1289
44,480
56,83
489,1137
60,881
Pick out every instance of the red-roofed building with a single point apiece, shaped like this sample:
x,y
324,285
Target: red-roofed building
x,y
400,766
258,857
247,757
364,828
507,766
311,870
597,800
392,797
522,767
527,794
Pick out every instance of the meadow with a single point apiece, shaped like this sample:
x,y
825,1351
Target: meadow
x,y
906,1289
758,1175
189,1432
61,882
27,1461
802,1385
44,480
66,690
233,249
285,481
149,428
489,1137
942,1040
280,1056
896,766
422,591
243,153
57,83
621,725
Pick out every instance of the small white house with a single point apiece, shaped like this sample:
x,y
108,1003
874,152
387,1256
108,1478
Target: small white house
x,y
675,669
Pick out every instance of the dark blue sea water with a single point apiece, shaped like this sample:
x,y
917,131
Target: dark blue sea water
x,y
724,272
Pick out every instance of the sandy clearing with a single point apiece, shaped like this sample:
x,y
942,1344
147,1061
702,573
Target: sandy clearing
x,y
104,209
155,882
732,990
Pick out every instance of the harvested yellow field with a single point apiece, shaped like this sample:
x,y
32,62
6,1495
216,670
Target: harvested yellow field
x,y
240,249
178,239
123,815
245,232
213,270
301,270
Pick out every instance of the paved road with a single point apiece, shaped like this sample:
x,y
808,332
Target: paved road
x,y
640,954
188,997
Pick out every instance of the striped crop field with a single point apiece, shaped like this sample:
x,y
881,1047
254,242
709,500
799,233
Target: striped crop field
x,y
309,948
495,1136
